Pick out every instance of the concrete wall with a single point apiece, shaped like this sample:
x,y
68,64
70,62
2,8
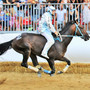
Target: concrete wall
x,y
78,50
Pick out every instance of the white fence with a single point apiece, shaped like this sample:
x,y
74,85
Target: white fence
x,y
27,16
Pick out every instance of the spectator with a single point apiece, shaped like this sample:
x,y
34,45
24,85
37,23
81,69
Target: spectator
x,y
80,1
31,10
8,2
86,14
20,11
60,16
49,4
1,18
72,13
64,2
12,21
4,1
74,5
10,7
55,1
1,3
4,4
32,1
38,12
80,6
6,19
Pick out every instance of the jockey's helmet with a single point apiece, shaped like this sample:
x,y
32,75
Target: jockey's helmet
x,y
50,9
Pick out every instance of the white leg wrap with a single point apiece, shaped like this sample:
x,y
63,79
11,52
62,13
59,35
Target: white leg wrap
x,y
33,68
65,69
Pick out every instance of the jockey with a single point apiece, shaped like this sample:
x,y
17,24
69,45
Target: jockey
x,y
45,28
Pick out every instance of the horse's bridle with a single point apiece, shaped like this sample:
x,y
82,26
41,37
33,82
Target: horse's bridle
x,y
77,29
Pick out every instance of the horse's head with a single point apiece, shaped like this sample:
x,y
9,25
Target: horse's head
x,y
72,29
80,31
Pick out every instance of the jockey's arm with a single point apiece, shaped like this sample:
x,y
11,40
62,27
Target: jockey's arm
x,y
49,23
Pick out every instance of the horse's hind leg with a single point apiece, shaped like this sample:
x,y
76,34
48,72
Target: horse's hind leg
x,y
26,55
34,59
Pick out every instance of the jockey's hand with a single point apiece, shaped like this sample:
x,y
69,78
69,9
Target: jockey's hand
x,y
56,33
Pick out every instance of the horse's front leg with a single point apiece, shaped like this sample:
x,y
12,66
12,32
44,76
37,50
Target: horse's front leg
x,y
67,66
51,64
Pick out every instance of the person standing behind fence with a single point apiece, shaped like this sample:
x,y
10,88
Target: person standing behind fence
x,y
72,13
1,19
5,2
60,16
54,1
74,3
86,14
20,11
11,2
1,3
6,19
31,11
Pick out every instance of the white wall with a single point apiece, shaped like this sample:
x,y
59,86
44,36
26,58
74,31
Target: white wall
x,y
78,51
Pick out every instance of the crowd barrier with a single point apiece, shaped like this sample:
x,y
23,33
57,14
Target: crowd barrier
x,y
27,16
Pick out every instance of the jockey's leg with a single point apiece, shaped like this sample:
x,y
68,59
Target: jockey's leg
x,y
49,43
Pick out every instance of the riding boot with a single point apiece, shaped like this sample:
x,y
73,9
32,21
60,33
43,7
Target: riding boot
x,y
44,53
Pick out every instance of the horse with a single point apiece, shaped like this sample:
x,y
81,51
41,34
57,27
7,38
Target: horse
x,y
31,45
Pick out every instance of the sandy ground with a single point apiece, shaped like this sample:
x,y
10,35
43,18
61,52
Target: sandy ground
x,y
30,81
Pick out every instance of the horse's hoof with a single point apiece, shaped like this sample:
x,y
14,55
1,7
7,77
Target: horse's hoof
x,y
59,72
24,65
51,74
39,74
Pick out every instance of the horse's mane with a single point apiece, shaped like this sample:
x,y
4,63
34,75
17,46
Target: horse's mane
x,y
66,27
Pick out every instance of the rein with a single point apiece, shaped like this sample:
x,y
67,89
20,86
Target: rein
x,y
77,29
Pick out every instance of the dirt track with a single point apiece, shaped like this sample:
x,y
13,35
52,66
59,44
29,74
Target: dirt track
x,y
30,81
15,77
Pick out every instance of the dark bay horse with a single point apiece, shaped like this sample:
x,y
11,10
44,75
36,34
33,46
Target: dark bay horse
x,y
30,45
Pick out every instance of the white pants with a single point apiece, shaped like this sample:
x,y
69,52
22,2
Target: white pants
x,y
50,41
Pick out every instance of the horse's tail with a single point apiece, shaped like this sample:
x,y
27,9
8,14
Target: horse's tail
x,y
5,46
